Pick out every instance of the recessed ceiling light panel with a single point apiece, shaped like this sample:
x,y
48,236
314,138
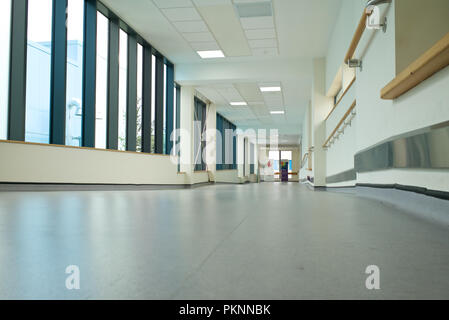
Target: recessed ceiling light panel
x,y
270,89
277,112
235,104
211,54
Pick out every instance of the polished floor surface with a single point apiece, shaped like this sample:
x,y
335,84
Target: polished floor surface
x,y
258,241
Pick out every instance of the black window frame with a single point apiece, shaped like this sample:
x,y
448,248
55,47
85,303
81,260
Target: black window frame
x,y
18,68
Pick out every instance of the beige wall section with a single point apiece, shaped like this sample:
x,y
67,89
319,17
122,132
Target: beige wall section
x,y
321,106
186,142
211,140
419,25
227,176
30,163
199,177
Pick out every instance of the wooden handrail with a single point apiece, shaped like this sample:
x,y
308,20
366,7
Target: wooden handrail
x,y
341,98
340,123
432,61
357,36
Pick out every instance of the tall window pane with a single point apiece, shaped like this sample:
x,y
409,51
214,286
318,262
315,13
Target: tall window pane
x,y
74,102
274,159
288,155
102,81
139,97
123,73
153,103
38,71
5,35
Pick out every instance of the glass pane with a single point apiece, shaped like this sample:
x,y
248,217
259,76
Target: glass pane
x,y
274,159
102,81
74,111
38,71
153,103
286,155
123,73
139,97
5,35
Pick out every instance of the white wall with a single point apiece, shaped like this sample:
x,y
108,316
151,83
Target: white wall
x,y
378,119
419,25
227,176
30,163
321,106
306,143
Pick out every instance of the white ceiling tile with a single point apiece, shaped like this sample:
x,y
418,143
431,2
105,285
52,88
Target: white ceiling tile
x,y
249,91
198,37
270,84
212,95
230,94
205,46
262,43
226,28
191,26
255,34
181,14
257,23
165,4
265,51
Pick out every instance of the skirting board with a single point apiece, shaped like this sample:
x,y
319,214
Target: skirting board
x,y
50,187
418,204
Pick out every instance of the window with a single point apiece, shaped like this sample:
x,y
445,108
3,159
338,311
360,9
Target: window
x,y
287,155
123,82
274,159
153,103
5,34
102,81
139,97
37,125
74,102
227,147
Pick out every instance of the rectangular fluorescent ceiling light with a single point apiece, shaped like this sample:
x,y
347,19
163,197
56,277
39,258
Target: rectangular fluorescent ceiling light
x,y
210,54
277,112
235,104
270,89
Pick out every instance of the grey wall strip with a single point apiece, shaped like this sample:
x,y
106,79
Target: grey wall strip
x,y
58,73
17,75
349,175
159,101
146,100
422,149
89,73
131,111
113,85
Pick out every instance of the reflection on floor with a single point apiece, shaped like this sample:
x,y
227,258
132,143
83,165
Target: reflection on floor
x,y
256,241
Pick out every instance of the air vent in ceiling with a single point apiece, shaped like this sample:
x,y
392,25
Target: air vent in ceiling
x,y
254,9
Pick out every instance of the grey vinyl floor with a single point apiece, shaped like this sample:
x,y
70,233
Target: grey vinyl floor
x,y
257,241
